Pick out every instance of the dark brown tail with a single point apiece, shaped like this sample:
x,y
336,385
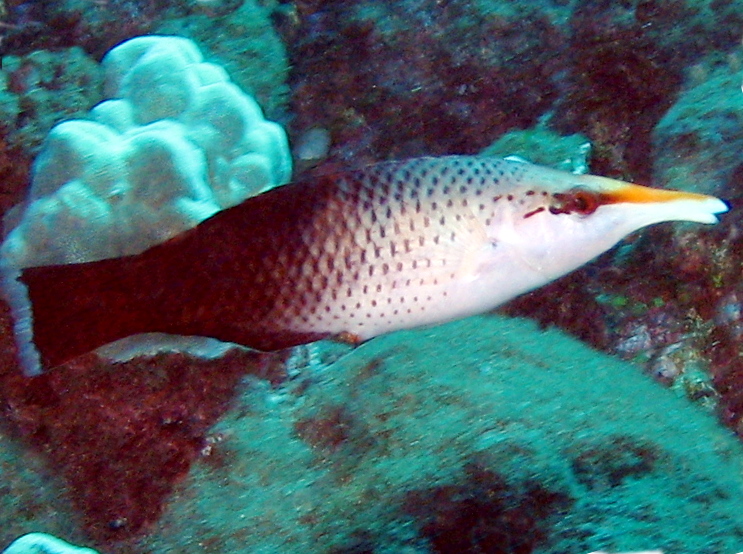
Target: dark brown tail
x,y
77,308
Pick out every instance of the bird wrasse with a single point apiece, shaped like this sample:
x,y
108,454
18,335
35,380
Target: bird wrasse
x,y
355,254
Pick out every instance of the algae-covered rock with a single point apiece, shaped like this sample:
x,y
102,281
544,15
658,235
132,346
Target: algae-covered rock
x,y
698,142
244,42
485,435
40,89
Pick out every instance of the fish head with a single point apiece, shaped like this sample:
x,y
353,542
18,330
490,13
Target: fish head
x,y
558,221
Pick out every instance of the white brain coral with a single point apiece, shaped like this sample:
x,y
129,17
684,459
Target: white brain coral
x,y
175,143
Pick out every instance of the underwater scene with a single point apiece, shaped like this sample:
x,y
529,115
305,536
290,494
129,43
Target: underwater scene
x,y
371,276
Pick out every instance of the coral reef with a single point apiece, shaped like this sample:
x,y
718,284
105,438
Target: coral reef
x,y
239,36
626,65
94,26
118,437
450,82
37,91
699,140
542,146
485,435
404,445
175,143
42,88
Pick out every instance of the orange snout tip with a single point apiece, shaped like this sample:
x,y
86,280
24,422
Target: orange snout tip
x,y
638,194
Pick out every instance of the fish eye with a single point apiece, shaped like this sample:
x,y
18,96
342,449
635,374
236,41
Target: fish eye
x,y
577,200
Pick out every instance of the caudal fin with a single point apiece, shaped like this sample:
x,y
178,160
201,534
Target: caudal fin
x,y
65,311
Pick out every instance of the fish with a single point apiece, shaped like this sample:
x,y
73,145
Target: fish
x,y
348,255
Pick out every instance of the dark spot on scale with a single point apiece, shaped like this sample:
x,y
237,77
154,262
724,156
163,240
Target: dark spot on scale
x,y
379,288
366,289
496,198
464,189
447,189
385,268
399,267
530,193
374,303
371,271
510,197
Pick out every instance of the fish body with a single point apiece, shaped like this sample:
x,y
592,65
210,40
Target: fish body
x,y
355,254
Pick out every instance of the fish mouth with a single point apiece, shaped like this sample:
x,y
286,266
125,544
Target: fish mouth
x,y
666,205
